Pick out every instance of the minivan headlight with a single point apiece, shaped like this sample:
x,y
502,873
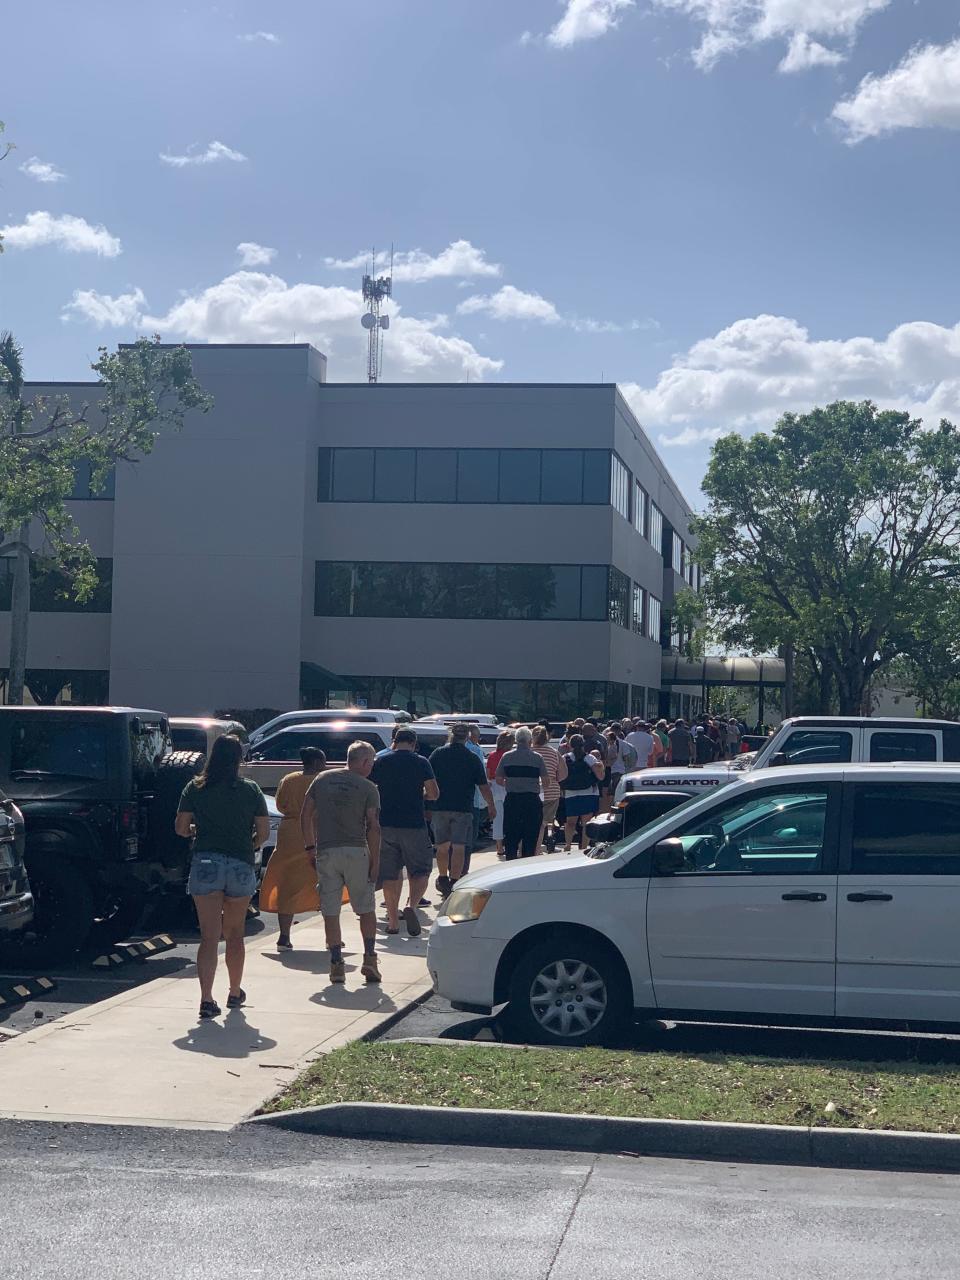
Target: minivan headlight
x,y
464,905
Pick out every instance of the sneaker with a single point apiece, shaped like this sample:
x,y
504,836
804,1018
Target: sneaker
x,y
424,902
338,971
237,1001
411,921
443,885
369,969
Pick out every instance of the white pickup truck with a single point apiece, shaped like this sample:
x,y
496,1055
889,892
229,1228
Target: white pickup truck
x,y
815,740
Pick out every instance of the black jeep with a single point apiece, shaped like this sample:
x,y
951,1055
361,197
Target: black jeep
x,y
98,787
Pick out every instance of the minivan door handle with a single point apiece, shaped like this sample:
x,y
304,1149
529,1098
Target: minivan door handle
x,y
869,897
804,897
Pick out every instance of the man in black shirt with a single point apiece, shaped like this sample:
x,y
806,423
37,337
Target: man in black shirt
x,y
458,772
405,780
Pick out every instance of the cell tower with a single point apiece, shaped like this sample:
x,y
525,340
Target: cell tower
x,y
375,290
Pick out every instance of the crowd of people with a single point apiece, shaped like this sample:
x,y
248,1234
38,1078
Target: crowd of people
x,y
346,833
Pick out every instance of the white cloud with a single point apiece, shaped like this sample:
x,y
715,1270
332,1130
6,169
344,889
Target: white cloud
x,y
252,306
42,170
105,311
257,37
214,153
922,92
255,255
732,25
749,373
586,20
75,235
509,303
459,261
805,53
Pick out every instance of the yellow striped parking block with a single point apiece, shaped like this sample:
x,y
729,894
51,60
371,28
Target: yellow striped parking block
x,y
129,952
27,989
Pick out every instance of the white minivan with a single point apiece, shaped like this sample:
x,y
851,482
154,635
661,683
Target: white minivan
x,y
825,894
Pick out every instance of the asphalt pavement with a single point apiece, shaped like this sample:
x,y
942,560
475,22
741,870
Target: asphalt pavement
x,y
88,1203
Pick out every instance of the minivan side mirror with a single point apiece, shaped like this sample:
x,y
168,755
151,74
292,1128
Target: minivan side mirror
x,y
779,759
669,857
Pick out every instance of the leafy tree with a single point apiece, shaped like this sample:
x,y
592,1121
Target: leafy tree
x,y
144,389
834,534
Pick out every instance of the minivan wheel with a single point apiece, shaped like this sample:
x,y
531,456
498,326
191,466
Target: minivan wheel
x,y
571,991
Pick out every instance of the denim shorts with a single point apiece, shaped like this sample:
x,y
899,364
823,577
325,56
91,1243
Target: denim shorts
x,y
216,873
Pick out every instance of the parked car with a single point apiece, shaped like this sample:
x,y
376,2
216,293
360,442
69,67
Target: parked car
x,y
190,733
16,900
98,788
634,811
323,716
815,740
824,893
280,753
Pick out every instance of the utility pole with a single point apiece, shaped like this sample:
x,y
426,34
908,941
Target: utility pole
x,y
12,364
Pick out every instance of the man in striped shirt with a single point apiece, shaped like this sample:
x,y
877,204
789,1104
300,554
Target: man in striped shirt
x,y
521,773
556,772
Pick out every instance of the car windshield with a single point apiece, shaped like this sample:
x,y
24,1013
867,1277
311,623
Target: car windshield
x,y
59,748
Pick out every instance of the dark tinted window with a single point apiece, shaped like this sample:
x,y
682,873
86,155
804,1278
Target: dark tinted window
x,y
520,475
951,744
324,474
478,474
818,746
436,475
58,747
334,745
51,591
596,476
564,601
895,745
188,739
353,475
395,475
906,829
84,488
563,476
593,592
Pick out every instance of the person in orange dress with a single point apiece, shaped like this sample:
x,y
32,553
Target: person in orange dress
x,y
289,886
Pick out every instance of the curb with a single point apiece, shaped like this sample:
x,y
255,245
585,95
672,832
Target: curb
x,y
693,1139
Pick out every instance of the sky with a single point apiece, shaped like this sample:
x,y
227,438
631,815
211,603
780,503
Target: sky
x,y
733,208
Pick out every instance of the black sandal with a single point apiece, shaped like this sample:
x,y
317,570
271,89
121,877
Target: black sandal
x,y
209,1009
237,1001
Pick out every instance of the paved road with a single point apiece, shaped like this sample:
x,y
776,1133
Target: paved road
x,y
95,1204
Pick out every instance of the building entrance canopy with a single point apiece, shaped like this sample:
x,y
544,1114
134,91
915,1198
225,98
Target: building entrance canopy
x,y
717,670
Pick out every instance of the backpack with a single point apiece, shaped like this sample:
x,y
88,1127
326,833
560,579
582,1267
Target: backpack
x,y
580,776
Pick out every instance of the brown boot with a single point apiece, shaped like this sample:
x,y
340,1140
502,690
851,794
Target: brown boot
x,y
369,969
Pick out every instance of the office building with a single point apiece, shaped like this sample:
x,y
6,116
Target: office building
x,y
490,547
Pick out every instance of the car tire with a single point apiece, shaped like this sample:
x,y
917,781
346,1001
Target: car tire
x,y
63,911
163,845
121,914
570,990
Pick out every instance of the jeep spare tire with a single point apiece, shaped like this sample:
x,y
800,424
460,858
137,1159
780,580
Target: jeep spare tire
x,y
163,845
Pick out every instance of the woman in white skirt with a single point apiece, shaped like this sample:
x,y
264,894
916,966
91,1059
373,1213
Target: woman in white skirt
x,y
505,742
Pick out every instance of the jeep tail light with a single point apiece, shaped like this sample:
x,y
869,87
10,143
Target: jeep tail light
x,y
127,819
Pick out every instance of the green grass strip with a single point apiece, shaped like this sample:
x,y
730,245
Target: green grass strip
x,y
712,1086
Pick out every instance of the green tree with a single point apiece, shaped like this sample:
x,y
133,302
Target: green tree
x,y
144,389
833,533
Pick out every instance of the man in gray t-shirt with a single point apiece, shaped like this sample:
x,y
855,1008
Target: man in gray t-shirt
x,y
521,772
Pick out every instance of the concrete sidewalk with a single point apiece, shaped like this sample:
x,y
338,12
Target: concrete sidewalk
x,y
142,1057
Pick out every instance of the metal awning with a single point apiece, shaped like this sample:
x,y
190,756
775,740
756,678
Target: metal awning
x,y
717,670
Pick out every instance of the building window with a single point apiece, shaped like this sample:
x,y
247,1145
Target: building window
x,y
655,533
620,485
638,613
654,608
619,598
51,590
395,475
641,504
676,636
527,592
83,490
677,554
529,476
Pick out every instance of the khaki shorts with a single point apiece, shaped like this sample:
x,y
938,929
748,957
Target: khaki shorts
x,y
550,808
451,827
344,867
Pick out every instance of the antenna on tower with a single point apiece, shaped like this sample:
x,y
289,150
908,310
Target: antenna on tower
x,y
376,289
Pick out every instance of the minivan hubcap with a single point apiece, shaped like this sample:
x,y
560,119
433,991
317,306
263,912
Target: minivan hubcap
x,y
568,998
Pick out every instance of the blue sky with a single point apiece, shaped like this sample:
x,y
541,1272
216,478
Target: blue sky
x,y
731,207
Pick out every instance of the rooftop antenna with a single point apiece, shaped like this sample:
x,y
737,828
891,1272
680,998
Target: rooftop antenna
x,y
376,289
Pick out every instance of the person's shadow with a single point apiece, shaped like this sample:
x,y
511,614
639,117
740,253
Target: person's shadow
x,y
234,1037
370,998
